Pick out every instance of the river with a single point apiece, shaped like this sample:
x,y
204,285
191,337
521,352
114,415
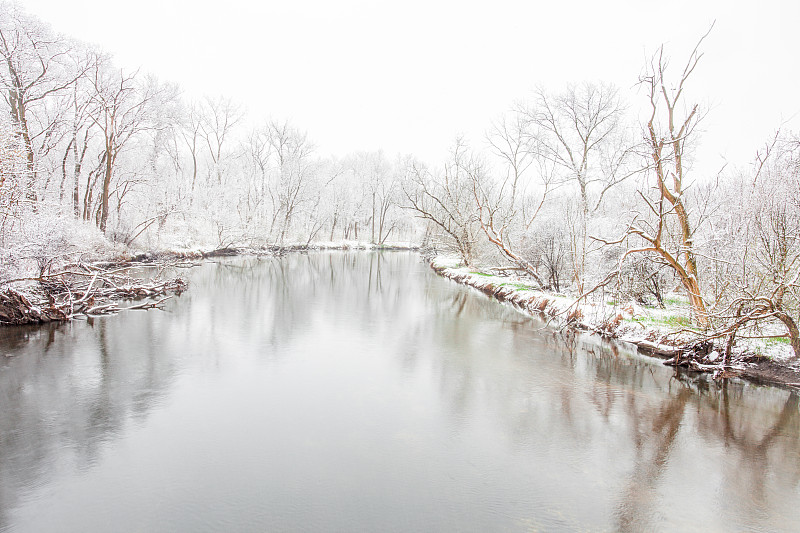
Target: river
x,y
358,391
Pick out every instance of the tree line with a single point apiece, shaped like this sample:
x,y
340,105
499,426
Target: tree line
x,y
579,195
126,152
569,188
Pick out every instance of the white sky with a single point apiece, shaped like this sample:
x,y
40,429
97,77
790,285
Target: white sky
x,y
409,76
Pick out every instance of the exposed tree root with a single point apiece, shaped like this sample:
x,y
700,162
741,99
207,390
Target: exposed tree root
x,y
16,309
85,290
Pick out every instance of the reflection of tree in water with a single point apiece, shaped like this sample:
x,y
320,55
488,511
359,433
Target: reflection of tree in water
x,y
764,443
76,386
654,439
73,387
547,387
764,454
761,447
273,302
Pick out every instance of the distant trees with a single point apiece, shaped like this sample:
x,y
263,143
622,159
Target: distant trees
x,y
217,120
380,182
581,131
445,200
120,150
295,167
562,191
344,202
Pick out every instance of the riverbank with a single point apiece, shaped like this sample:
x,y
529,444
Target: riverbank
x,y
656,332
274,249
99,287
381,378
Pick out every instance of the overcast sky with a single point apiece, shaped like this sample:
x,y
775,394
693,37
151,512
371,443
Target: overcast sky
x,y
410,76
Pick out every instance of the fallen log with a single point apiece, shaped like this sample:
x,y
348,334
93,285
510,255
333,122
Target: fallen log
x,y
17,310
658,349
91,292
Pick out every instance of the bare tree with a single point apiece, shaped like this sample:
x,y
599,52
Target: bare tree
x,y
509,204
81,131
259,199
295,172
190,133
342,199
765,273
37,66
582,132
217,121
666,228
380,181
446,200
120,111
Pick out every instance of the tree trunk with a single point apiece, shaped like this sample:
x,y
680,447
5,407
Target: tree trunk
x,y
794,333
692,286
76,191
373,218
21,122
333,227
103,218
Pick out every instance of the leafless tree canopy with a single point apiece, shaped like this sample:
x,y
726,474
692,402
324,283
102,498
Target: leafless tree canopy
x,y
568,189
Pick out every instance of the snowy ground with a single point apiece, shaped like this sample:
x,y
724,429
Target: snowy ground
x,y
659,331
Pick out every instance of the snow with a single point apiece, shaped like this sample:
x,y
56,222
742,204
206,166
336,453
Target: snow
x,y
653,329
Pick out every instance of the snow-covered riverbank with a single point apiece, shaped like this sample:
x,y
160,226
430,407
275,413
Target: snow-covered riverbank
x,y
657,332
77,288
662,333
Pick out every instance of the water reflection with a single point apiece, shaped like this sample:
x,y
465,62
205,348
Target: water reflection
x,y
65,392
358,391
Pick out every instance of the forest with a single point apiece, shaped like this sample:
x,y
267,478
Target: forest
x,y
570,189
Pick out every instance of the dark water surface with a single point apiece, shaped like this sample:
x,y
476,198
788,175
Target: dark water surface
x,y
360,392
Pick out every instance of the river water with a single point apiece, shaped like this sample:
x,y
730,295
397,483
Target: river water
x,y
355,391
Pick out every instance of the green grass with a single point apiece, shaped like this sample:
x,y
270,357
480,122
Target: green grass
x,y
518,286
673,321
676,300
758,350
